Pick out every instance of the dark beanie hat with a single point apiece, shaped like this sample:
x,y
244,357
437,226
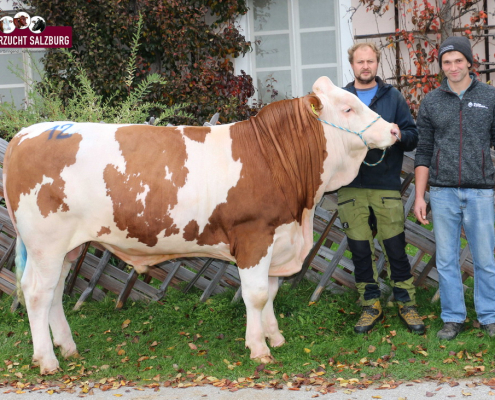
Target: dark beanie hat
x,y
456,43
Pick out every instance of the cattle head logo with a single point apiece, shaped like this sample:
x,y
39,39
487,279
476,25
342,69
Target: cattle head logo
x,y
22,20
37,25
6,25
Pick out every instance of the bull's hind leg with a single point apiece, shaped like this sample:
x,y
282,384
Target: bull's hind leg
x,y
62,335
255,293
39,282
270,323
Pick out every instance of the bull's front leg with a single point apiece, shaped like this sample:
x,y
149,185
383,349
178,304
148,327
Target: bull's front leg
x,y
255,293
270,323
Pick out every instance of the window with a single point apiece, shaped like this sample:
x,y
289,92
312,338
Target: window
x,y
295,42
20,69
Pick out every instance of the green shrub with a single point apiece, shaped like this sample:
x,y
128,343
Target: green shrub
x,y
44,102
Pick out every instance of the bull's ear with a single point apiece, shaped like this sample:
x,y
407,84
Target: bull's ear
x,y
323,85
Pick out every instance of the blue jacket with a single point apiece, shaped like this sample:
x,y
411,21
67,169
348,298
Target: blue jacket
x,y
391,105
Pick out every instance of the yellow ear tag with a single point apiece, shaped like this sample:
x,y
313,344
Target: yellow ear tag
x,y
314,111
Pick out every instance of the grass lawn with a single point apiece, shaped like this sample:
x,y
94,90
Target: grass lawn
x,y
181,339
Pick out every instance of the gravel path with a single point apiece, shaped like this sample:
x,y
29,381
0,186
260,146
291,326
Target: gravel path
x,y
473,389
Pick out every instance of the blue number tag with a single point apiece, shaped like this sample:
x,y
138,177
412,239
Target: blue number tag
x,y
61,134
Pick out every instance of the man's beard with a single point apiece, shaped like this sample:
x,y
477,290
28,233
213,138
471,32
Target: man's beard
x,y
366,81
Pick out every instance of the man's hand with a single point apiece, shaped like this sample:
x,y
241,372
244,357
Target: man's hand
x,y
420,210
396,132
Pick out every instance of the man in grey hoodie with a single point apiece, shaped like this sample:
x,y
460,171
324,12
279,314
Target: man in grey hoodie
x,y
456,124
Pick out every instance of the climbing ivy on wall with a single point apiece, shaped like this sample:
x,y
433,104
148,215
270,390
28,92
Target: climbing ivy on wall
x,y
191,43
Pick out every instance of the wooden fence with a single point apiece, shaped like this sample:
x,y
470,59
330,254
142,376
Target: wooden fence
x,y
99,272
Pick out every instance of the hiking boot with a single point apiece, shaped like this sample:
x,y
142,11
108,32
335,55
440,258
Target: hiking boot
x,y
369,317
450,330
489,328
409,314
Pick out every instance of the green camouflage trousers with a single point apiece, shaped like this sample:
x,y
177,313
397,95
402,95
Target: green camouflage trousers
x,y
363,212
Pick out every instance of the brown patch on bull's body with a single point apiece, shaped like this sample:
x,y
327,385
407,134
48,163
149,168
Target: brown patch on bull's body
x,y
148,153
191,231
282,151
105,230
196,133
35,158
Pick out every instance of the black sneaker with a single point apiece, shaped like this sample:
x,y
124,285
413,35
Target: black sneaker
x,y
369,317
489,329
409,314
450,330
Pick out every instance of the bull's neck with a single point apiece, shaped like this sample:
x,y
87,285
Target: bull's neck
x,y
293,146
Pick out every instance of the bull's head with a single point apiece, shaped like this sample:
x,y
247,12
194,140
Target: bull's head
x,y
351,128
346,112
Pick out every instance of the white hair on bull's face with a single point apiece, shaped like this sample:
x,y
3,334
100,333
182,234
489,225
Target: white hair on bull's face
x,y
352,114
349,124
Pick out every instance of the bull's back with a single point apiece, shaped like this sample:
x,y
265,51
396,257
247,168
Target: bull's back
x,y
119,182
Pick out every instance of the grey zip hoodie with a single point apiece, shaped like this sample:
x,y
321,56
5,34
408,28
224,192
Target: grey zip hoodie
x,y
455,136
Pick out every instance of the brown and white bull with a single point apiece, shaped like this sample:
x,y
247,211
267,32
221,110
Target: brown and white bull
x,y
243,192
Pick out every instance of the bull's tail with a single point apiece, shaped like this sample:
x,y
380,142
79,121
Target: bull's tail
x,y
20,250
20,265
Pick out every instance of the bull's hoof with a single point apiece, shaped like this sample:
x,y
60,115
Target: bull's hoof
x,y
50,371
276,340
268,359
48,367
74,355
68,350
70,353
278,343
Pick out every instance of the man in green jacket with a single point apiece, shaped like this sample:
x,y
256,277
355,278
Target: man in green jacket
x,y
456,127
373,202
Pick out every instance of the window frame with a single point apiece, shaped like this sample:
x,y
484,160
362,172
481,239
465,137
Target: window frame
x,y
343,37
27,67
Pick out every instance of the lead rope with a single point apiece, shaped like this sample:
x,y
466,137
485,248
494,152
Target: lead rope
x,y
357,133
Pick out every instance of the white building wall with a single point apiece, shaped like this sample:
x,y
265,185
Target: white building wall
x,y
366,23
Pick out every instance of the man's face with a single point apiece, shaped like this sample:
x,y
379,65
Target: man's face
x,y
455,66
364,65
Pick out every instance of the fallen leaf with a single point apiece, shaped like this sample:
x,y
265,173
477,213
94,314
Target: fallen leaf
x,y
371,349
126,323
307,350
192,346
430,394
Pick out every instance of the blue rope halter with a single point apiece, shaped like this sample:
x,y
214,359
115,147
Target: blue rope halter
x,y
357,133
